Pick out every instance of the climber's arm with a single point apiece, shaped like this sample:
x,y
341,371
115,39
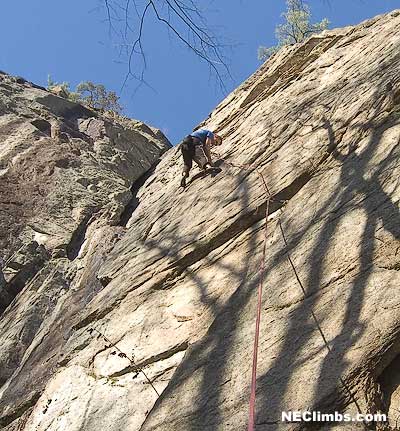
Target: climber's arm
x,y
207,145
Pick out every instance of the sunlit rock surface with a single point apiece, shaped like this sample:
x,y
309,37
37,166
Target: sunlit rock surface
x,y
169,277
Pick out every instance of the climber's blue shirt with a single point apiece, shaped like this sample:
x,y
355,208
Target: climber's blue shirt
x,y
203,134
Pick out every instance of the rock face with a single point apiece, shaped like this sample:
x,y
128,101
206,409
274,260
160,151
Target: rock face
x,y
68,179
170,299
62,166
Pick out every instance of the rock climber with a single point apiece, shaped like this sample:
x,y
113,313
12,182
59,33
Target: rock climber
x,y
196,146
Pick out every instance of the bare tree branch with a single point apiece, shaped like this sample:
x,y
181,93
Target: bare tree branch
x,y
183,19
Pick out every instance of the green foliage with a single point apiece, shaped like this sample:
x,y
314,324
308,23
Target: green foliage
x,y
62,89
92,95
96,96
296,28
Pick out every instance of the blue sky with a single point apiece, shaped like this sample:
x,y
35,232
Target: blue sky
x,y
71,41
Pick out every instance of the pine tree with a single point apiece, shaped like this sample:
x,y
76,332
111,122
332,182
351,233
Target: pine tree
x,y
96,96
92,95
296,28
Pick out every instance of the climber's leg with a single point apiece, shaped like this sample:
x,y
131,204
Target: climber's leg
x,y
187,154
185,174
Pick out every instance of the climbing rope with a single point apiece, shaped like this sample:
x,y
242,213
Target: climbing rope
x,y
137,368
259,305
252,402
343,383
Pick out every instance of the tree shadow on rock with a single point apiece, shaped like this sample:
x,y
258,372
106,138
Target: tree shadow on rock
x,y
377,207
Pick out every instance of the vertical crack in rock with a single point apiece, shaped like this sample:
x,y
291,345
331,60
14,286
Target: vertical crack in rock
x,y
321,114
54,175
134,202
203,249
78,238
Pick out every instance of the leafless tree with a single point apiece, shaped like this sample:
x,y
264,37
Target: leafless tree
x,y
183,18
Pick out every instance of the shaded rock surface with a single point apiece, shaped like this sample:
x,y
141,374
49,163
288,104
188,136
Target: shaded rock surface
x,y
61,167
66,177
175,290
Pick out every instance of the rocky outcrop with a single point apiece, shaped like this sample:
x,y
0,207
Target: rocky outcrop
x,y
62,167
171,299
67,176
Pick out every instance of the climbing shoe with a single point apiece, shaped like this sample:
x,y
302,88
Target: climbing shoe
x,y
183,182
